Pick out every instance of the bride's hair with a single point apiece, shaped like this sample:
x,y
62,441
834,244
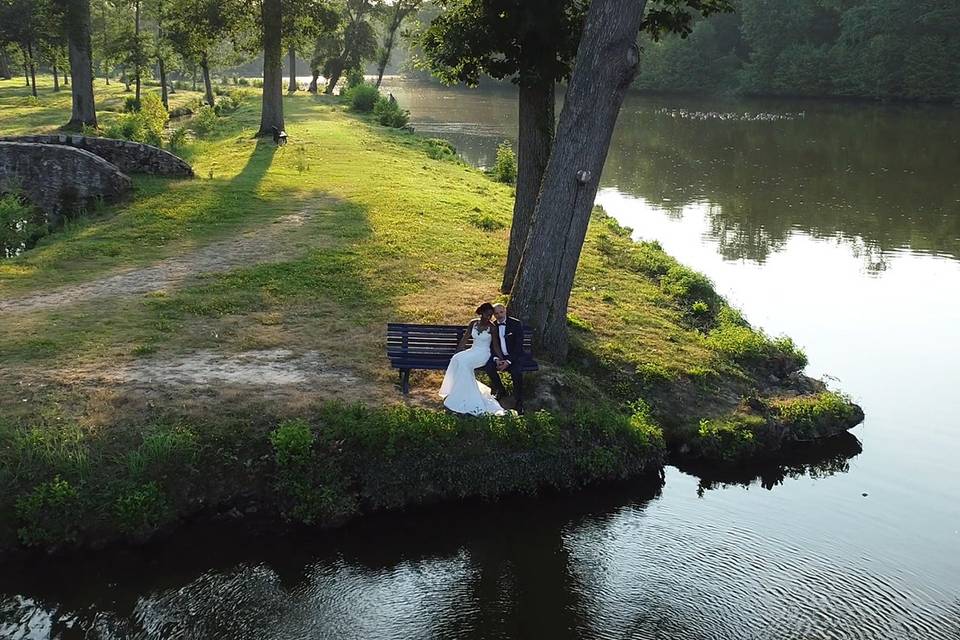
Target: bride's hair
x,y
486,307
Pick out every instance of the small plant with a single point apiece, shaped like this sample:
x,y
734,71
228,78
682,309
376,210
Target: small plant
x,y
363,98
354,78
131,105
48,514
224,105
243,82
487,222
505,167
700,308
21,225
389,113
256,83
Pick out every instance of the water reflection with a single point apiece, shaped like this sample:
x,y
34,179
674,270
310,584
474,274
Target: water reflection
x,y
878,178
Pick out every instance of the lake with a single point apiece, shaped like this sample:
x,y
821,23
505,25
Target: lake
x,y
836,224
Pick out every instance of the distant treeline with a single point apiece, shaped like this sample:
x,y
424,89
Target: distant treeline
x,y
876,49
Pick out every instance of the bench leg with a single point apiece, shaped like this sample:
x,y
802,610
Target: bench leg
x,y
405,381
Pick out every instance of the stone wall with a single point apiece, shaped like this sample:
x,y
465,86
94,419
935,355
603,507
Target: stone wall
x,y
129,157
60,180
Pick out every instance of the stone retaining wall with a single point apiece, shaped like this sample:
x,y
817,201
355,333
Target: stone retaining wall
x,y
61,180
129,157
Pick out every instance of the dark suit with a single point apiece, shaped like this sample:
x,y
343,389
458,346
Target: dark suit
x,y
514,353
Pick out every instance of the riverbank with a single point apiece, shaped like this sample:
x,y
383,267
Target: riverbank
x,y
204,347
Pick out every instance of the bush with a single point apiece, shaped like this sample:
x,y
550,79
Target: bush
x,y
440,149
178,138
225,105
389,113
205,121
21,225
505,168
257,83
487,222
131,105
363,98
243,82
145,124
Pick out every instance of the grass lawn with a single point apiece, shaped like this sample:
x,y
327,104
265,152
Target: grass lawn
x,y
264,284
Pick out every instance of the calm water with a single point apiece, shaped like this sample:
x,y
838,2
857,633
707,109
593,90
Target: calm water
x,y
836,224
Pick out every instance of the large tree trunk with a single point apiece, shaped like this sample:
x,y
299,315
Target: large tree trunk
x,y
84,111
606,64
336,70
313,82
207,85
388,44
537,121
137,53
271,109
56,75
164,92
292,86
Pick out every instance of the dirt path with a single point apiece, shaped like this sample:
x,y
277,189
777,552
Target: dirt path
x,y
262,245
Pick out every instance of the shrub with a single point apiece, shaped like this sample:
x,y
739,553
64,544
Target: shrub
x,y
178,138
131,104
440,149
243,82
145,124
727,440
389,113
48,514
21,225
734,338
224,105
363,98
257,83
205,121
505,167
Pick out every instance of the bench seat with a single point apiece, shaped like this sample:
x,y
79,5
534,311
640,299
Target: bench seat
x,y
430,346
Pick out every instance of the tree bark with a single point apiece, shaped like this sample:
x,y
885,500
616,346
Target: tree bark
x,y
606,64
313,82
56,76
292,86
80,50
388,45
164,93
137,53
33,69
5,72
535,139
271,109
336,70
207,85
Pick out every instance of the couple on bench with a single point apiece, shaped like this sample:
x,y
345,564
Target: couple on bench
x,y
497,347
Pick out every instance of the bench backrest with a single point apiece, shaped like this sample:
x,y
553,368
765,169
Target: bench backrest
x,y
434,341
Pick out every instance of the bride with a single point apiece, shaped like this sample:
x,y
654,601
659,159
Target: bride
x,y
461,391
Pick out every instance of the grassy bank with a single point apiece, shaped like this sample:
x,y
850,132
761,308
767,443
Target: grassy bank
x,y
207,343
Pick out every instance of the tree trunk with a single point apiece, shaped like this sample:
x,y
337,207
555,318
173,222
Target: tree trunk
x,y
5,72
56,76
80,49
535,139
207,85
336,70
33,69
66,74
271,108
137,44
194,77
388,45
313,82
164,93
606,64
293,69
26,66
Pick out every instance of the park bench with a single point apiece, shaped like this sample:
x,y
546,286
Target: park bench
x,y
430,346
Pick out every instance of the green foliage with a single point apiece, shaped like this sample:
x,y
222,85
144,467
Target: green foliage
x,y
363,97
487,221
737,340
140,509
145,124
879,49
505,167
131,104
355,79
440,149
727,440
389,114
205,122
179,138
816,416
48,514
21,225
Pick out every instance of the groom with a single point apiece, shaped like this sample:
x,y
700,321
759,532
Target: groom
x,y
508,332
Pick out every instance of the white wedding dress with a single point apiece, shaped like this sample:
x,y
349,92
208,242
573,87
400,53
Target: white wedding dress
x,y
461,391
